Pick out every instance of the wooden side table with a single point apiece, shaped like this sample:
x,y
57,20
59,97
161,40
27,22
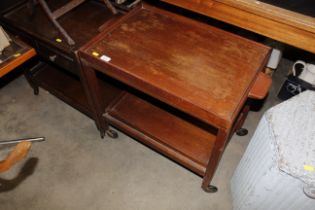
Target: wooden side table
x,y
185,84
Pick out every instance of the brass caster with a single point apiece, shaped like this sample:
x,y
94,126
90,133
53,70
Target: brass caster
x,y
210,189
111,133
242,132
102,134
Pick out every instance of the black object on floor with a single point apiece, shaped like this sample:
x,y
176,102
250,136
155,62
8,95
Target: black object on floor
x,y
293,86
305,7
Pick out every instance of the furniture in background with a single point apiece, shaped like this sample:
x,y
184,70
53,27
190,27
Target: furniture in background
x,y
184,84
11,57
286,26
59,69
18,153
54,15
14,55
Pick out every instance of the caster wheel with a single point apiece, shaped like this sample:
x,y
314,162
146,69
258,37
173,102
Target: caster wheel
x,y
102,134
111,133
242,132
210,189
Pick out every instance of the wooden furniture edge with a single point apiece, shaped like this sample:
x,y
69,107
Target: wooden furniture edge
x,y
158,146
283,32
224,132
203,114
261,86
17,61
108,26
273,12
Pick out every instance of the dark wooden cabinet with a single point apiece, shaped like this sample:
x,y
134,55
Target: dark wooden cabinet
x,y
185,84
59,71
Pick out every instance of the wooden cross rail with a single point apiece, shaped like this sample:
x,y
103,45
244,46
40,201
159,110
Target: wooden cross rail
x,y
54,15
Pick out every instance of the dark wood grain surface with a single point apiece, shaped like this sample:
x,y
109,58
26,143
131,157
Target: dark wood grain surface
x,y
197,68
81,23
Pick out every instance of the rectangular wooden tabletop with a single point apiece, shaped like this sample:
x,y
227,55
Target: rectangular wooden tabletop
x,y
199,69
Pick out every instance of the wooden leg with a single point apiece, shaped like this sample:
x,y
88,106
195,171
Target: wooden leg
x,y
92,89
222,138
218,149
28,73
240,121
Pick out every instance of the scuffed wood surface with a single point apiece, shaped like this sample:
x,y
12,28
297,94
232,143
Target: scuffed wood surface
x,y
187,61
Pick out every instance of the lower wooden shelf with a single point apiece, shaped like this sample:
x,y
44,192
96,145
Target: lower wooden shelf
x,y
69,88
171,134
64,86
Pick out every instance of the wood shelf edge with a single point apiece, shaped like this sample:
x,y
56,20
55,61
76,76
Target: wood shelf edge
x,y
158,146
200,143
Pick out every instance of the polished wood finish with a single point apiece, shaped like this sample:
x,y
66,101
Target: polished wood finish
x,y
166,63
186,84
283,25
